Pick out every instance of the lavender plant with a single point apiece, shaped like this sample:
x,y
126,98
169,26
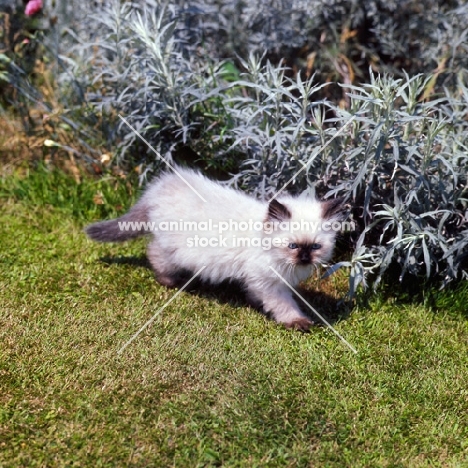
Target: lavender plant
x,y
405,166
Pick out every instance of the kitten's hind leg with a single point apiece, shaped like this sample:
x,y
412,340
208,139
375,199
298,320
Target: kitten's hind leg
x,y
164,270
279,303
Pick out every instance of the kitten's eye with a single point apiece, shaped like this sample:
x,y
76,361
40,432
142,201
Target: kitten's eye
x,y
315,246
293,245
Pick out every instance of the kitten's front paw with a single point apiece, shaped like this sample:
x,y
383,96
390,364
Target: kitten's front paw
x,y
302,324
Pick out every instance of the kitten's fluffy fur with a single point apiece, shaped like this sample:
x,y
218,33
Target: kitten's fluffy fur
x,y
174,258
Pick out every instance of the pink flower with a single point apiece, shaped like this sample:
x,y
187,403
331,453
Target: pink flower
x,y
33,7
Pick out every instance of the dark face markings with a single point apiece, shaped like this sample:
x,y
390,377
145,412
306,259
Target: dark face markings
x,y
304,251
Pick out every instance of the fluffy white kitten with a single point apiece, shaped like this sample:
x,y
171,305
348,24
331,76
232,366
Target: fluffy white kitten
x,y
219,241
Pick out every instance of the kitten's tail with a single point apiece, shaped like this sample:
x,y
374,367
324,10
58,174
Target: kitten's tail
x,y
129,226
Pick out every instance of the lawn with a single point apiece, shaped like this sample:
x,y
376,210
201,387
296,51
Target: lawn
x,y
210,382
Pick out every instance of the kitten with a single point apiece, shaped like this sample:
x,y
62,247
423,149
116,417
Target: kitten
x,y
234,236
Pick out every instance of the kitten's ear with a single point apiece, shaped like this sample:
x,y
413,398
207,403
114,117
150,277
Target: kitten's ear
x,y
334,208
277,211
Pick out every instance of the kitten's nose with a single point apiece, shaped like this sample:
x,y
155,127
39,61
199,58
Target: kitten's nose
x,y
304,258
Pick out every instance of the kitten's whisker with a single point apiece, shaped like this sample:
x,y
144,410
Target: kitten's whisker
x,y
314,311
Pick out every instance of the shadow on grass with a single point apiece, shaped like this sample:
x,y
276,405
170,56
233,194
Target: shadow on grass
x,y
233,293
419,291
141,261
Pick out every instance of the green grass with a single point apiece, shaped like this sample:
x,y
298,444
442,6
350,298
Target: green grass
x,y
210,382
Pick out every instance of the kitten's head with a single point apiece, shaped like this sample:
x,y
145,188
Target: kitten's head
x,y
304,229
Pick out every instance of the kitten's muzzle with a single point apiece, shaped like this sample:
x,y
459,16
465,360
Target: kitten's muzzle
x,y
305,258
